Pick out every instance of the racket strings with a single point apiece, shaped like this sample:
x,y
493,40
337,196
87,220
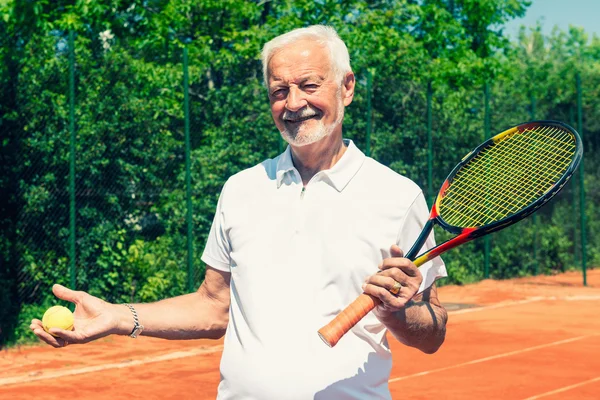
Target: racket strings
x,y
514,202
523,164
507,176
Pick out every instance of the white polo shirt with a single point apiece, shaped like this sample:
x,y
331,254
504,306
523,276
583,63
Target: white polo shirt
x,y
297,257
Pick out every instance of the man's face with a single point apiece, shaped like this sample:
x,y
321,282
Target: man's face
x,y
306,100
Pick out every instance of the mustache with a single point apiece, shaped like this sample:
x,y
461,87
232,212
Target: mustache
x,y
306,112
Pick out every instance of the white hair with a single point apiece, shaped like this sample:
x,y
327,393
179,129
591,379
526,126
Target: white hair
x,y
323,35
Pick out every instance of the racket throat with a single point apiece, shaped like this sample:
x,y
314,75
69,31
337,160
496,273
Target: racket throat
x,y
465,236
414,250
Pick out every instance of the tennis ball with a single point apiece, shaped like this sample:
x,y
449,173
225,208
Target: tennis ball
x,y
58,317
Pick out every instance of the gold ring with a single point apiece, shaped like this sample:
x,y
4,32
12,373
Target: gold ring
x,y
396,289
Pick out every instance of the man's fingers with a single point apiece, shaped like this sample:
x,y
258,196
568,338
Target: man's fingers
x,y
58,338
394,285
395,251
404,264
390,300
67,336
66,294
383,281
48,338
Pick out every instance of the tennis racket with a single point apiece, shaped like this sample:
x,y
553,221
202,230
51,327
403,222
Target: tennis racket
x,y
500,182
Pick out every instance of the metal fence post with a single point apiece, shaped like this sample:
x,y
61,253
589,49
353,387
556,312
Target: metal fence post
x,y
429,145
487,242
574,201
581,185
72,215
188,175
536,264
369,112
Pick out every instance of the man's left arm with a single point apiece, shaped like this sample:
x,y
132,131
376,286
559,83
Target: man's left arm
x,y
415,320
421,323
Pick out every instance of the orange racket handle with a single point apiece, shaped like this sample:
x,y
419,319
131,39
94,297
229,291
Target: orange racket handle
x,y
340,325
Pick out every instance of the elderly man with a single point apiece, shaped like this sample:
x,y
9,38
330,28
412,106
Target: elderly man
x,y
294,240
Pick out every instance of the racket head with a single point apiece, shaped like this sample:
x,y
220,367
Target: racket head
x,y
508,177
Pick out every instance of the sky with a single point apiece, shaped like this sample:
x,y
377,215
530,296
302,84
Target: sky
x,y
583,13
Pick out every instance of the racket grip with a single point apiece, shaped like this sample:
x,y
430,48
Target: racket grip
x,y
340,325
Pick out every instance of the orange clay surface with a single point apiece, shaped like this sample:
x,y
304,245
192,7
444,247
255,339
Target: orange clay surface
x,y
526,338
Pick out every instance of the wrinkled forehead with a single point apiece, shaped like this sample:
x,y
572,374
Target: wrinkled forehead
x,y
300,57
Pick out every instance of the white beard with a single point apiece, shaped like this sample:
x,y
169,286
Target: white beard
x,y
304,136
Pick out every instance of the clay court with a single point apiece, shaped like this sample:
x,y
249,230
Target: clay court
x,y
528,338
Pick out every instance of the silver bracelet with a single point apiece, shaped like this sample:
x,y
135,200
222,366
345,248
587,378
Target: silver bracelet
x,y
137,328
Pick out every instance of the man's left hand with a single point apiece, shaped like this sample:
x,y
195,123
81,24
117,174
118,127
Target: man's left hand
x,y
396,275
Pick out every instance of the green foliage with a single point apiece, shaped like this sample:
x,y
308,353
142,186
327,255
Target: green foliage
x,y
142,271
464,265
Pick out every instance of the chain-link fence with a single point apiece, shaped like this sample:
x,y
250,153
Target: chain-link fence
x,y
99,175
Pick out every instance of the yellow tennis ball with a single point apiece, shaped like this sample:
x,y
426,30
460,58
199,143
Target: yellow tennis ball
x,y
58,317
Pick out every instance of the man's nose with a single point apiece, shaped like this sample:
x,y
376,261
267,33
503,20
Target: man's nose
x,y
295,99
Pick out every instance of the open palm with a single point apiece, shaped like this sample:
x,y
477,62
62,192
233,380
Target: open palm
x,y
94,318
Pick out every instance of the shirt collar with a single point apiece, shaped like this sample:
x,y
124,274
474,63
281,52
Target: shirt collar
x,y
339,176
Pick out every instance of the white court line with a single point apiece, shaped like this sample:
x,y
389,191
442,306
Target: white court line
x,y
581,297
501,305
480,360
526,301
564,389
126,364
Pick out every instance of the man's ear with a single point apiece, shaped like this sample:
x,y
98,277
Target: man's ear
x,y
348,88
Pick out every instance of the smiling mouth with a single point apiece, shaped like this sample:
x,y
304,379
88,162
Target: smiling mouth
x,y
297,120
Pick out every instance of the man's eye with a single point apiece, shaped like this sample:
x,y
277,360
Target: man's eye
x,y
311,86
278,93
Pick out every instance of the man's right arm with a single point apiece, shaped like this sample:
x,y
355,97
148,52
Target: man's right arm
x,y
202,314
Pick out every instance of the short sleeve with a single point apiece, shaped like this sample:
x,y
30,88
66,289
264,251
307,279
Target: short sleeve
x,y
217,250
416,217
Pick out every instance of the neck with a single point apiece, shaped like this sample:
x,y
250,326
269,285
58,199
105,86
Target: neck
x,y
318,156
